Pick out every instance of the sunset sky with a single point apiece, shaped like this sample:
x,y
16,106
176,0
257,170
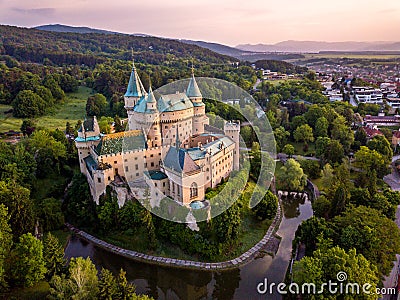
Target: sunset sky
x,y
224,21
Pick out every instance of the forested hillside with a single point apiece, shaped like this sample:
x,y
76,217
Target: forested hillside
x,y
32,45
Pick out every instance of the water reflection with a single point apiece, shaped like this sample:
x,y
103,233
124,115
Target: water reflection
x,y
173,283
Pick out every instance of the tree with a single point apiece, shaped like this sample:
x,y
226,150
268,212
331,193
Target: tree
x,y
297,121
28,104
326,264
118,127
20,208
53,254
334,152
288,149
267,207
83,275
368,159
147,220
49,212
321,145
321,207
382,146
105,124
47,150
313,114
28,265
96,105
292,177
341,132
5,243
108,287
28,127
321,127
303,133
281,136
125,289
311,168
369,235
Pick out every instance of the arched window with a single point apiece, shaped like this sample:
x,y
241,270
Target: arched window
x,y
193,190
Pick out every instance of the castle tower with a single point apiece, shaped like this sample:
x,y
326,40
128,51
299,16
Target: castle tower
x,y
134,93
88,136
199,119
153,120
232,129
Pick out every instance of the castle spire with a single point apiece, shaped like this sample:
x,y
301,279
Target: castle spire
x,y
193,90
135,86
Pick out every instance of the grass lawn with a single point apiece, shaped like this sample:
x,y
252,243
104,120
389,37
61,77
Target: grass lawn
x,y
72,110
298,148
39,291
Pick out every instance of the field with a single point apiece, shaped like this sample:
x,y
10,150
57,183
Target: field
x,y
352,55
72,110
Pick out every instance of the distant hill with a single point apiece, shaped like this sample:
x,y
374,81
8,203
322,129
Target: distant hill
x,y
215,47
314,46
243,55
32,45
73,29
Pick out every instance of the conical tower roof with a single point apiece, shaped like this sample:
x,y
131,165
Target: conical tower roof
x,y
193,90
150,96
135,86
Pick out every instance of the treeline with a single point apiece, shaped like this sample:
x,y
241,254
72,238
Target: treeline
x,y
31,95
215,238
307,89
31,45
280,66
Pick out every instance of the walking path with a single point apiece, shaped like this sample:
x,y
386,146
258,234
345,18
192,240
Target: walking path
x,y
172,262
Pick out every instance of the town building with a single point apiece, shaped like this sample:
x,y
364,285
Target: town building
x,y
165,150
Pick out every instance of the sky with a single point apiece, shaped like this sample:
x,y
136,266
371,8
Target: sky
x,y
230,22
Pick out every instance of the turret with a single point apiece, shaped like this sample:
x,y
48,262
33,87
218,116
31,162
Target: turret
x,y
88,136
134,93
152,120
232,129
200,119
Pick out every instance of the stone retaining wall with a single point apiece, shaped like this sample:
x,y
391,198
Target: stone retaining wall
x,y
173,262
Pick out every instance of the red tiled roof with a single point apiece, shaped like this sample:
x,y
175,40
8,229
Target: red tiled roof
x,y
371,132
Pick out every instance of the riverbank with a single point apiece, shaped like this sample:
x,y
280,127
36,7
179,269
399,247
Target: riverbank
x,y
244,258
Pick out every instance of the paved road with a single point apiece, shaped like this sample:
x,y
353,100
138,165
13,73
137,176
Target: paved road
x,y
256,84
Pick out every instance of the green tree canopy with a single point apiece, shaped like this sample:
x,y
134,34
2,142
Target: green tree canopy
x,y
28,265
292,177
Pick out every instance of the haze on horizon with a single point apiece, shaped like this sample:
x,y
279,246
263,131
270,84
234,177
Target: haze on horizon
x,y
230,22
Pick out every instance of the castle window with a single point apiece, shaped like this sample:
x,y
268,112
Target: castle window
x,y
115,162
125,160
135,158
137,174
145,165
163,184
152,164
126,169
166,126
193,190
151,155
109,178
136,167
155,145
99,180
155,184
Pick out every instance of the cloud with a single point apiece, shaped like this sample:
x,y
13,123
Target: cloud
x,y
45,11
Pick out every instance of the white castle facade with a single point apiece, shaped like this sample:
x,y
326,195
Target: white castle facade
x,y
166,147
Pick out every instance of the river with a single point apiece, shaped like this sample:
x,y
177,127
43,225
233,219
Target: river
x,y
172,283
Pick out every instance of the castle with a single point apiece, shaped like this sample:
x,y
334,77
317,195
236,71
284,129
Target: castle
x,y
165,148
